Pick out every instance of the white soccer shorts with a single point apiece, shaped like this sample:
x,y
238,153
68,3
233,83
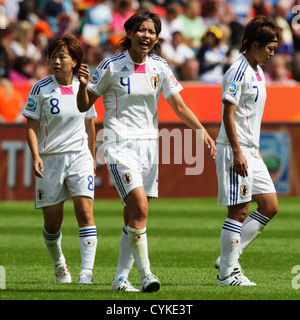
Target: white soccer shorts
x,y
131,164
65,175
233,188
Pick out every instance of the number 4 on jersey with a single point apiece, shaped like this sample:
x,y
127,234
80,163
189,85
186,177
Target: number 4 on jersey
x,y
124,84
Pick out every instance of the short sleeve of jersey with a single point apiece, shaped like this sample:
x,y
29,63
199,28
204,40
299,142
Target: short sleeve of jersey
x,y
233,83
170,85
91,113
99,81
32,107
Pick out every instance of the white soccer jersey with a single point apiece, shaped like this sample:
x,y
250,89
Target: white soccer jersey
x,y
61,125
246,89
130,94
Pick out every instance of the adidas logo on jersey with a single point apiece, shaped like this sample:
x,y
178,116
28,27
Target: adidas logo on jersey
x,y
124,69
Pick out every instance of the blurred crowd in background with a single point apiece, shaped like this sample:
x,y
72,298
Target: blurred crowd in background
x,y
199,38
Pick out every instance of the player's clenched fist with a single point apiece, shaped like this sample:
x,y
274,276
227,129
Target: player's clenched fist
x,y
84,74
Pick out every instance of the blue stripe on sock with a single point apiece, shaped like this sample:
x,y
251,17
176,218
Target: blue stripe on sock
x,y
232,227
88,232
259,218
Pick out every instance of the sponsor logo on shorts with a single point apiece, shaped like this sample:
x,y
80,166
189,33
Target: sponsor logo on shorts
x,y
40,194
244,189
127,178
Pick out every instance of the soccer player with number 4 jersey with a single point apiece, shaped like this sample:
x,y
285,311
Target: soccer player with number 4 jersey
x,y
242,174
62,143
131,82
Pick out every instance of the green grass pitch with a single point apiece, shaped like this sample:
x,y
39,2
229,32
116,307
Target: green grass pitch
x,y
183,240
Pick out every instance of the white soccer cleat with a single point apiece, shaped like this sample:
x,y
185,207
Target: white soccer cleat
x,y
217,263
85,277
150,283
237,270
122,284
62,273
235,279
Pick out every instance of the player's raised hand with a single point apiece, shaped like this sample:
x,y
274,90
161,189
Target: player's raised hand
x,y
84,74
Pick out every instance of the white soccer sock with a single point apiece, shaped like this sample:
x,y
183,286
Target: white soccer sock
x,y
126,259
229,243
252,228
139,248
53,244
88,245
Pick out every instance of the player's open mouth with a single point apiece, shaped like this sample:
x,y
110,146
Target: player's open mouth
x,y
144,44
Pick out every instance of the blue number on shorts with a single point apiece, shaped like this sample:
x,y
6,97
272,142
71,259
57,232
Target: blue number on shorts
x,y
54,103
91,183
125,84
256,93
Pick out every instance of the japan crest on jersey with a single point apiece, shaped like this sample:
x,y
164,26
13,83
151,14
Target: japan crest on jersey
x,y
154,82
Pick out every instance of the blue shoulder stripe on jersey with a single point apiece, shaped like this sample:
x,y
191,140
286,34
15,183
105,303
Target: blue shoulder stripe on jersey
x,y
110,59
42,83
240,71
158,58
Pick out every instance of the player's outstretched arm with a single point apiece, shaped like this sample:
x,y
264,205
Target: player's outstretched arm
x,y
189,118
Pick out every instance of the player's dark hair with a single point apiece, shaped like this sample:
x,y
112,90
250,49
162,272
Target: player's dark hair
x,y
133,24
261,29
71,44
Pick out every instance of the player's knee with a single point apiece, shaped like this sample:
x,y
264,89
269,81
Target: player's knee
x,y
274,210
138,215
52,228
84,216
141,211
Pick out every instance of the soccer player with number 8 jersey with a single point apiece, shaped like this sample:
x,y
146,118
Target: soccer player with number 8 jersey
x,y
62,143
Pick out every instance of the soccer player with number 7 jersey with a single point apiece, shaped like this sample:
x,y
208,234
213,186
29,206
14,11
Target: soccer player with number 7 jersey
x,y
242,173
62,143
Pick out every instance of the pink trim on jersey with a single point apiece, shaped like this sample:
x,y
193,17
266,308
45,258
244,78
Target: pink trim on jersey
x,y
46,131
247,120
66,90
117,110
140,68
258,77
